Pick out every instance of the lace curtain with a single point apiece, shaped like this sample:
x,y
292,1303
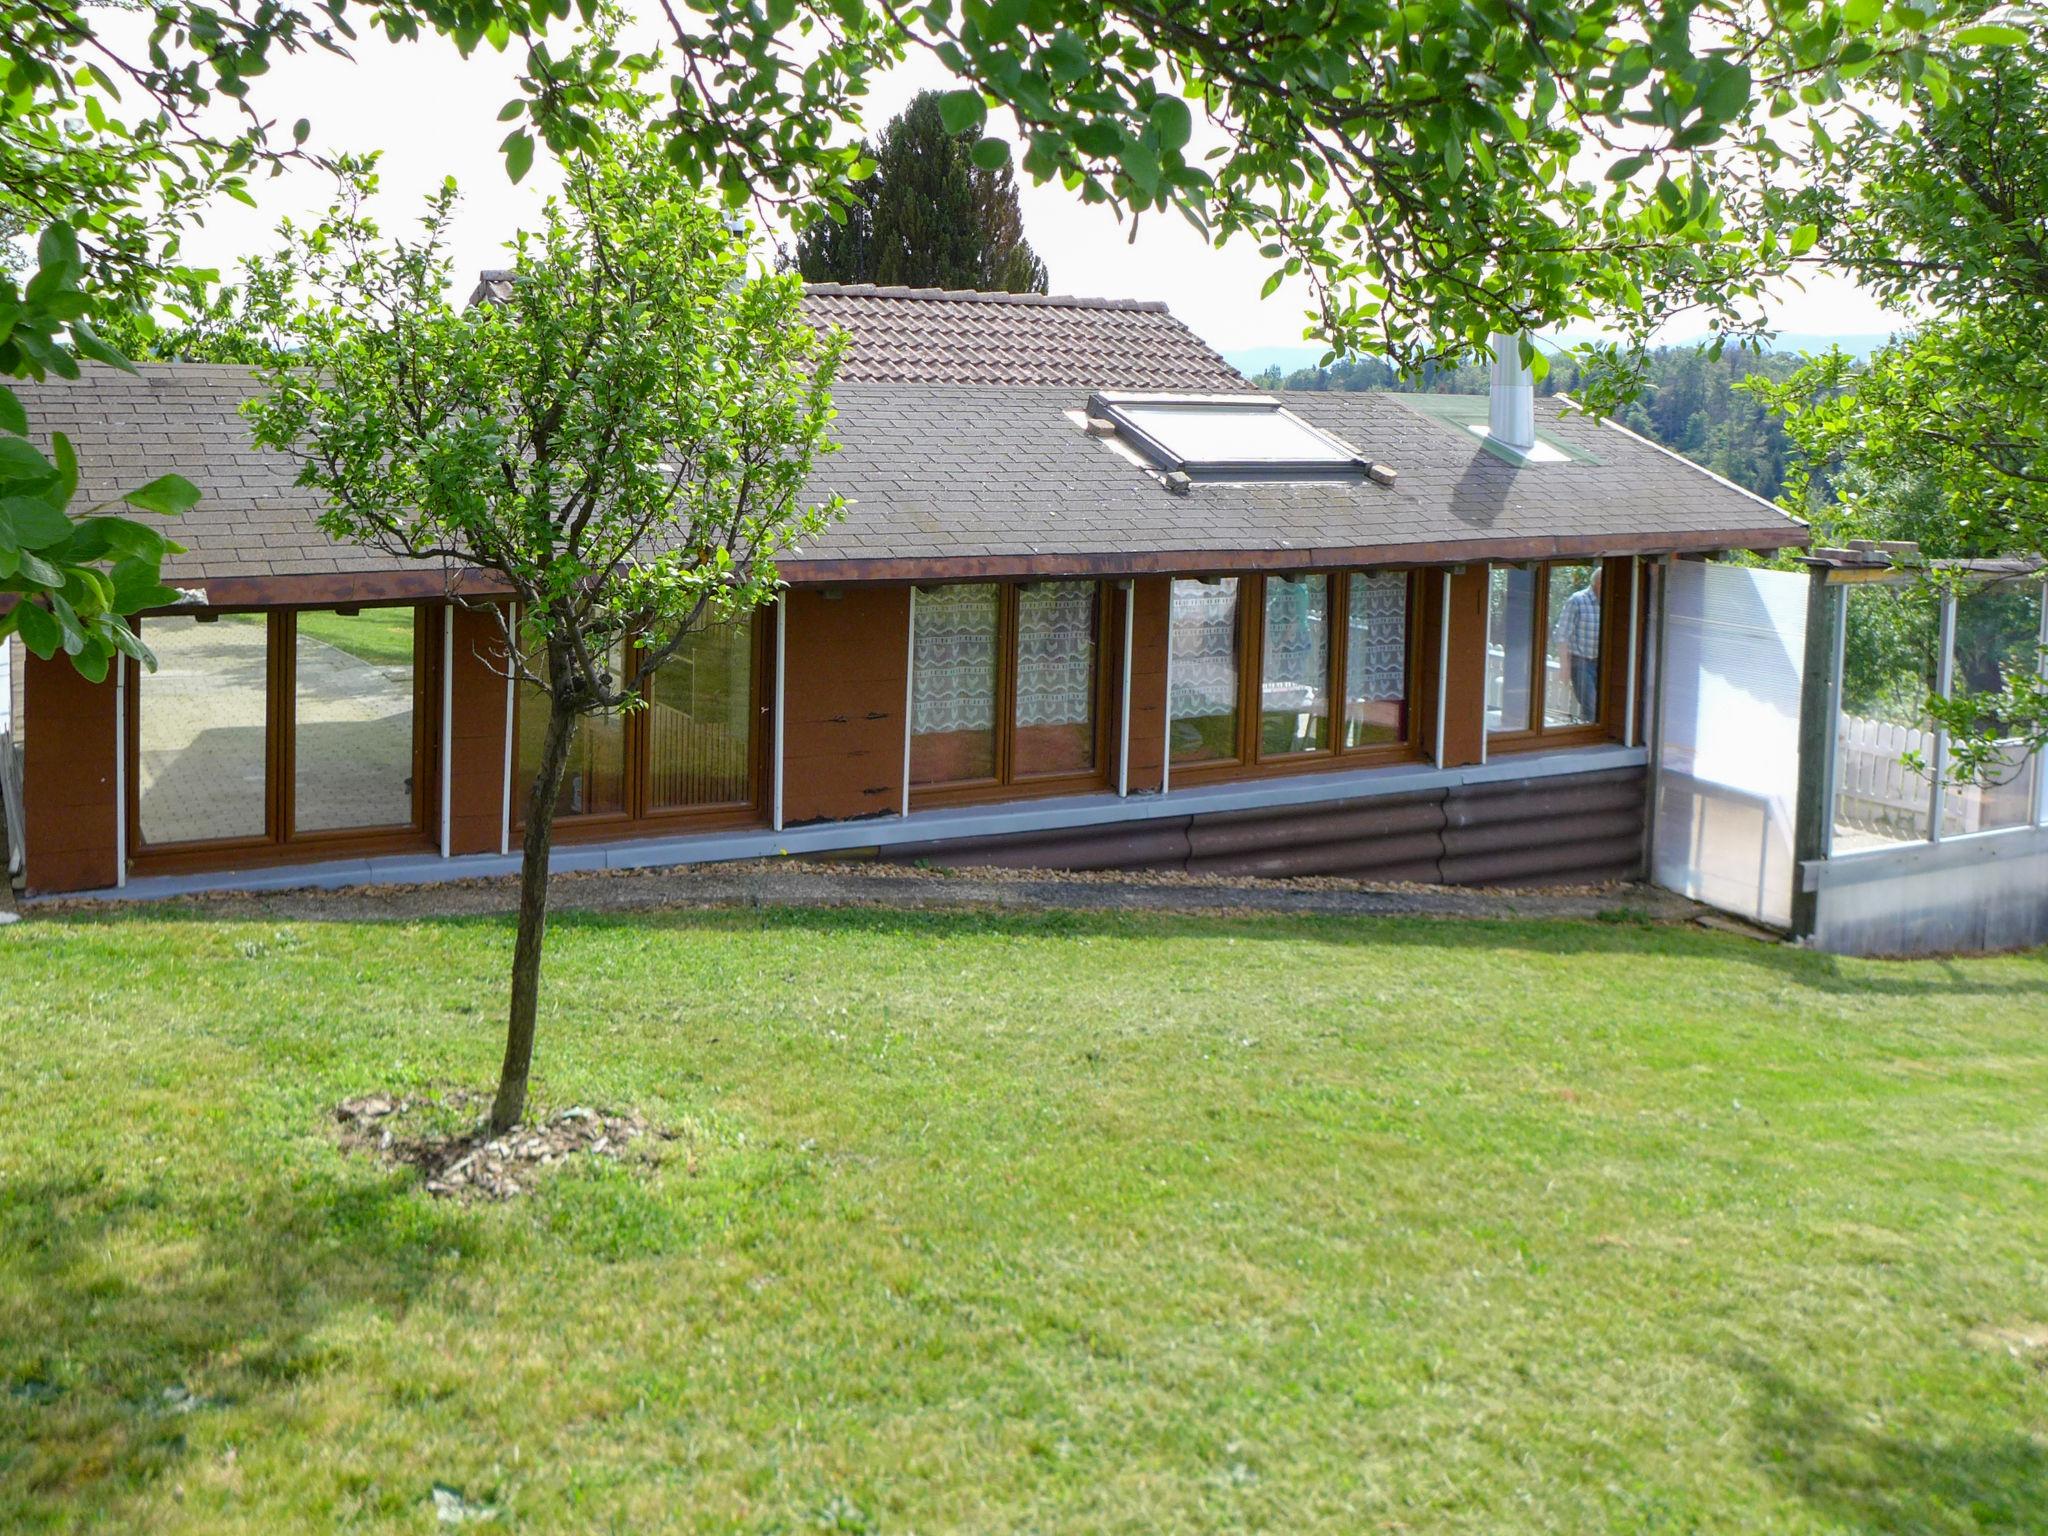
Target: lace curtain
x,y
1376,658
1056,653
953,660
1297,634
1204,648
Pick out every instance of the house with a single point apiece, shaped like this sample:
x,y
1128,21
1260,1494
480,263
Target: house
x,y
1097,602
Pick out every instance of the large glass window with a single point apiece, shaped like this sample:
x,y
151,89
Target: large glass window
x,y
1997,639
203,754
1203,707
353,687
700,712
1376,661
1058,651
1283,629
1545,648
691,748
1294,689
1005,683
279,727
1571,672
1510,646
953,683
594,783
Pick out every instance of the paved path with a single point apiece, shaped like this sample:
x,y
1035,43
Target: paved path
x,y
788,883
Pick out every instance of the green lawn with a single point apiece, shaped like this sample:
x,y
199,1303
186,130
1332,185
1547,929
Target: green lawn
x,y
381,636
1048,1224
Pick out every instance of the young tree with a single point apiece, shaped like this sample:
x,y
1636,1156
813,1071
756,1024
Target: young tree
x,y
929,217
619,436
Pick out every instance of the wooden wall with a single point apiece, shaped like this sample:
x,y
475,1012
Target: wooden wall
x,y
476,749
1151,607
68,778
842,702
1465,695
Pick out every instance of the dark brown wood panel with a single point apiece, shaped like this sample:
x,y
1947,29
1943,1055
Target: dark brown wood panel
x,y
1464,730
68,778
1617,597
1152,602
842,702
476,766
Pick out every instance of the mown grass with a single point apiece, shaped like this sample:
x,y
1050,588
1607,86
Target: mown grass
x,y
1031,1224
381,636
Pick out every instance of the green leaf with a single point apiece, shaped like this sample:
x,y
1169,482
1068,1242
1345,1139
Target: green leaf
x,y
1172,122
91,344
167,494
12,417
963,111
1804,238
990,154
29,522
39,631
1726,94
1992,34
21,463
518,149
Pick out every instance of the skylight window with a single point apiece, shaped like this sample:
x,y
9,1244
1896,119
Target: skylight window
x,y
1228,437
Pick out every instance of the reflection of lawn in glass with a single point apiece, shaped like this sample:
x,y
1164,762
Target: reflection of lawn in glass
x,y
380,636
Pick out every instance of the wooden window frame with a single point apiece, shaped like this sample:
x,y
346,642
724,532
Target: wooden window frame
x,y
641,817
1006,783
1252,761
280,842
1538,736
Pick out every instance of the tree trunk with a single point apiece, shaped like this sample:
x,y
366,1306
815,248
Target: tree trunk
x,y
510,1103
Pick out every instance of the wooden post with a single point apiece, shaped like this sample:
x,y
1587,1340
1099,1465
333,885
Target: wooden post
x,y
1820,699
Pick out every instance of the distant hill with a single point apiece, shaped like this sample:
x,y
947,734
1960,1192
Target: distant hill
x,y
1256,360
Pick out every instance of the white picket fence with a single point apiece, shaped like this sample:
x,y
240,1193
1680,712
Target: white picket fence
x,y
1876,792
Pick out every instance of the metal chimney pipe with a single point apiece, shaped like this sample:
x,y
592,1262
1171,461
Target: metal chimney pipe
x,y
1511,403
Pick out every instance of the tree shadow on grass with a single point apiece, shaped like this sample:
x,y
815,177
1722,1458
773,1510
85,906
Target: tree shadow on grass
x,y
129,1311
1864,1477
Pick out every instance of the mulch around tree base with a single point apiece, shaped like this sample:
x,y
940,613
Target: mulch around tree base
x,y
472,1164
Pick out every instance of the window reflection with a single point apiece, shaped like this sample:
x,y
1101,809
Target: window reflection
x,y
595,783
1295,686
202,732
700,720
1571,686
352,742
1510,642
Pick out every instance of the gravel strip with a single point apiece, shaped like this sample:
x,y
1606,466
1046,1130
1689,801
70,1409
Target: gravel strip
x,y
796,883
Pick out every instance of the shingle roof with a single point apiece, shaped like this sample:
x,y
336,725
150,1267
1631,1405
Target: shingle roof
x,y
948,479
937,336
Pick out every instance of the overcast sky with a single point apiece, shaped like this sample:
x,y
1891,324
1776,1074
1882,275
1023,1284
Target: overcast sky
x,y
434,113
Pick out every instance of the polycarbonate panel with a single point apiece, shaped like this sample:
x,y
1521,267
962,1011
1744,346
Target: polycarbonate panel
x,y
1728,775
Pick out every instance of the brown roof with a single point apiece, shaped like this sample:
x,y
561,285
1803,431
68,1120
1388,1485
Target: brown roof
x,y
938,336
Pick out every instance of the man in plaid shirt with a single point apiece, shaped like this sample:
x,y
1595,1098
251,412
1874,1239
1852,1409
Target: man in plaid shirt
x,y
1577,636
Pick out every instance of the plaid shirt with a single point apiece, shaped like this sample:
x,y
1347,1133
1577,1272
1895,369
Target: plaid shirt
x,y
1578,627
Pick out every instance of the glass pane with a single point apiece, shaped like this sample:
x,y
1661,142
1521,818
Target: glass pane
x,y
1888,671
1510,643
1203,706
1057,644
953,684
1376,662
1234,432
700,713
1571,668
595,783
352,763
1294,693
1998,637
200,739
